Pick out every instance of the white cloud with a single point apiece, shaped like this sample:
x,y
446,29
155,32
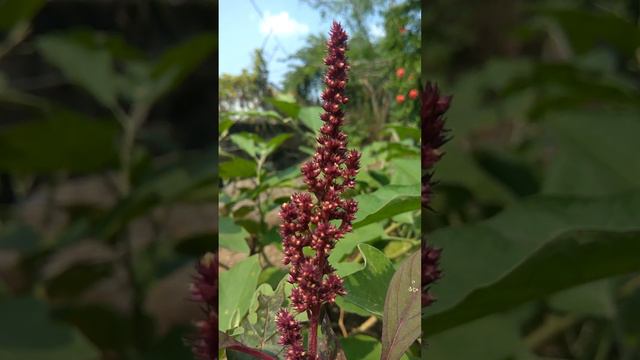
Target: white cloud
x,y
377,31
282,24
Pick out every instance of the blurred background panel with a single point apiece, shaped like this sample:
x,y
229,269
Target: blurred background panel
x,y
107,175
537,203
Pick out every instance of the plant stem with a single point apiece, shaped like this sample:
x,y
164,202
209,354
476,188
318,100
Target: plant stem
x,y
130,124
313,333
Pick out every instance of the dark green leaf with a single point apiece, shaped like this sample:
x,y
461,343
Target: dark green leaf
x,y
27,333
63,141
89,68
14,11
531,264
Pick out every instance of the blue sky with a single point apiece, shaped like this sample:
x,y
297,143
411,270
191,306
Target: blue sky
x,y
244,27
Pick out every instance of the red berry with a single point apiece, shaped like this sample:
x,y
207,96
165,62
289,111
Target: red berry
x,y
413,94
402,30
399,99
400,73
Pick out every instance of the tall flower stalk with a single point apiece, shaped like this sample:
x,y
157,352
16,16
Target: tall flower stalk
x,y
433,137
310,219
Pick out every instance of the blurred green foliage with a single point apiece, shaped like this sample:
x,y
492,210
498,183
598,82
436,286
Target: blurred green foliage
x,y
95,254
536,207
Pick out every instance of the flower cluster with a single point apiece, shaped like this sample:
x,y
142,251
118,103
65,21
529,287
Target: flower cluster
x,y
290,336
433,137
309,219
204,290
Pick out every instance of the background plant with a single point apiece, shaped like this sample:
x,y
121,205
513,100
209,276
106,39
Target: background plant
x,y
536,201
107,181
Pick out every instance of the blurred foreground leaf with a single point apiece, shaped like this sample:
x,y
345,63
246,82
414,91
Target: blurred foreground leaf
x,y
27,333
598,238
64,141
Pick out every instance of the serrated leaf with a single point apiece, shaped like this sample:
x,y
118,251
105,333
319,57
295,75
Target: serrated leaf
x,y
401,320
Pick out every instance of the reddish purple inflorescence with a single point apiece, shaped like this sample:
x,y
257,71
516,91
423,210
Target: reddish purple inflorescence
x,y
308,219
433,137
205,291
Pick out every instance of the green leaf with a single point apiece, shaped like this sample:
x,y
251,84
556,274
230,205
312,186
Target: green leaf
x,y
362,347
406,171
285,106
367,288
247,142
494,265
63,141
274,143
232,236
90,68
587,163
14,11
587,30
310,117
178,62
348,243
401,320
259,325
77,278
406,132
236,287
495,337
385,203
27,333
237,168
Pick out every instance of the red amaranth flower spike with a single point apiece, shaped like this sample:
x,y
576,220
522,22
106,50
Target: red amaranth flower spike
x,y
307,218
205,291
433,137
